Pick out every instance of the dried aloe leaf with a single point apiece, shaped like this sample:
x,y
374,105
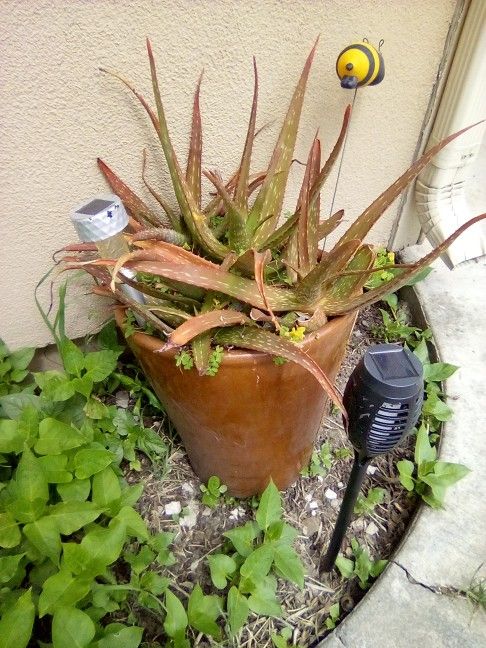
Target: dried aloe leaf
x,y
205,322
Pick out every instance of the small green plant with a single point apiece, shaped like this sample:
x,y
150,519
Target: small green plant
x,y
13,369
256,555
320,462
282,640
361,565
343,453
429,477
333,618
213,491
215,360
365,505
184,359
476,592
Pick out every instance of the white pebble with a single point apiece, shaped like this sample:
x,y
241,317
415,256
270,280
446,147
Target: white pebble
x,y
122,398
308,497
371,529
320,479
187,488
340,485
313,505
189,519
371,470
173,508
330,494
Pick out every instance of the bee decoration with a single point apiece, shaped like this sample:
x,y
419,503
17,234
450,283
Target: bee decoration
x,y
360,64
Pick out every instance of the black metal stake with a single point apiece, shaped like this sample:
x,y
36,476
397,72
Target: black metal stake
x,y
358,473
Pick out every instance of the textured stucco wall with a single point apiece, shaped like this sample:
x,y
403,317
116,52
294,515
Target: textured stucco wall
x,y
58,113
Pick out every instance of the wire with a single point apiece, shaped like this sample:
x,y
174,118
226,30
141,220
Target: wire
x,y
342,153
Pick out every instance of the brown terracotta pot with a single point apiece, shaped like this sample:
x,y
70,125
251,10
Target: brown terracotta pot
x,y
253,420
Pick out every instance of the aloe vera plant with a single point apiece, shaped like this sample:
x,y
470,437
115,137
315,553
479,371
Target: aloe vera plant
x,y
228,272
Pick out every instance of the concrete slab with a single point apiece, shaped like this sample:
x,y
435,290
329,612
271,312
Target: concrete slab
x,y
443,549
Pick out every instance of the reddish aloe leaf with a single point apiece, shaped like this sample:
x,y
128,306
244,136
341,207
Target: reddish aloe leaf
x,y
258,339
270,198
143,311
329,225
290,258
193,171
80,247
174,219
326,169
163,251
312,287
261,259
308,217
201,344
134,206
241,192
220,281
193,217
341,306
371,214
205,322
282,233
238,235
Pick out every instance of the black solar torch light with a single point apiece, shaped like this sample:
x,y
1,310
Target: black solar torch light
x,y
383,399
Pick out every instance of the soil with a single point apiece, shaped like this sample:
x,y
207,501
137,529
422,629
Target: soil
x,y
311,505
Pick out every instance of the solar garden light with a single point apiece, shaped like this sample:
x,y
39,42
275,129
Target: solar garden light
x,y
102,221
383,399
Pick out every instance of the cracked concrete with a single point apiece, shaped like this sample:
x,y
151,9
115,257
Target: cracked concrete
x,y
419,599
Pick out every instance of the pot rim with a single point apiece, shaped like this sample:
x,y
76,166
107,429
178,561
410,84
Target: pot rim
x,y
154,344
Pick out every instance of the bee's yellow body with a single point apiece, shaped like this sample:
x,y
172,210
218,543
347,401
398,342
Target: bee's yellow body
x,y
360,64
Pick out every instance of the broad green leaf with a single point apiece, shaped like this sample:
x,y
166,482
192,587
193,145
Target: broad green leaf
x,y
11,438
90,461
154,583
289,564
75,557
263,599
71,628
62,590
30,480
445,474
433,406
21,358
121,638
54,467
8,566
44,535
438,371
345,566
12,405
242,538
423,449
160,543
75,491
100,364
175,623
83,385
9,531
270,507
106,487
72,357
104,546
133,522
257,565
71,516
202,612
55,437
25,511
405,471
422,352
362,567
221,568
237,608
378,567
17,622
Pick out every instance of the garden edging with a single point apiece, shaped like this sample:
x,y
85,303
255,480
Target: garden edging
x,y
419,599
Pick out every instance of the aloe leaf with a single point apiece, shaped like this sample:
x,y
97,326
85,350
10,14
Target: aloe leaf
x,y
205,322
326,169
174,219
329,225
258,339
167,297
261,259
246,290
307,238
238,235
241,191
340,306
311,288
193,217
133,204
193,170
290,258
270,197
143,311
282,233
352,284
161,234
371,214
201,344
